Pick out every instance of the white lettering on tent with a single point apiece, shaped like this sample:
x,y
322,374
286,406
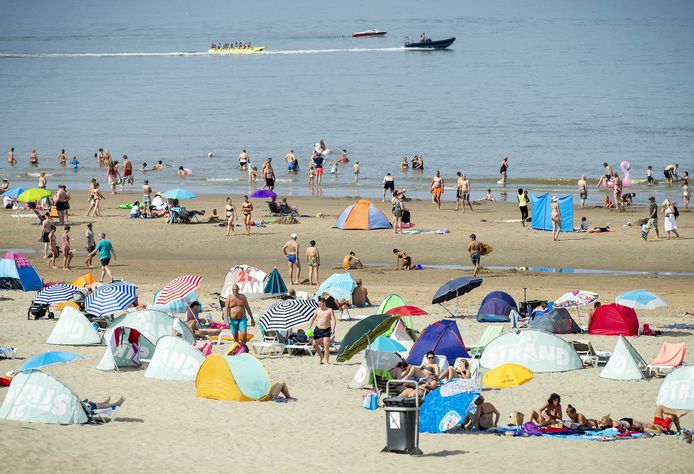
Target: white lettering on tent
x,y
180,362
33,397
71,329
679,390
523,352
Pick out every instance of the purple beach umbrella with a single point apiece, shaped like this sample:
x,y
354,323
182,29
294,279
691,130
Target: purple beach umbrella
x,y
263,194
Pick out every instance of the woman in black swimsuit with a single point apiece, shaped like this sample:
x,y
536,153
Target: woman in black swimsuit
x,y
503,169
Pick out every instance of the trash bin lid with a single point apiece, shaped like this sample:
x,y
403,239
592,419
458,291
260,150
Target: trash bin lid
x,y
408,402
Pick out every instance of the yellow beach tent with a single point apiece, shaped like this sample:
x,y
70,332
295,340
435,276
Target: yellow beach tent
x,y
240,378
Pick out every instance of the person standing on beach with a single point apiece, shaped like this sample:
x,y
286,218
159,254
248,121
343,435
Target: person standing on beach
x,y
313,260
503,170
235,308
91,245
523,205
458,190
465,188
247,211
66,248
556,218
10,157
323,331
61,204
243,160
437,184
583,190
474,247
388,185
291,251
230,214
617,191
105,249
147,198
269,174
45,230
398,209
670,172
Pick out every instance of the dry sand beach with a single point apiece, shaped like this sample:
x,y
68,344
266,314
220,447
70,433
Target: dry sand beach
x,y
164,427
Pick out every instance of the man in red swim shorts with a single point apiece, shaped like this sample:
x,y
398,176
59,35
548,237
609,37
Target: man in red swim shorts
x,y
664,417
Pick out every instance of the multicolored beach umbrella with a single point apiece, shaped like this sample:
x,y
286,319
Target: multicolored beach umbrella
x,y
111,298
641,299
288,314
575,298
57,293
177,289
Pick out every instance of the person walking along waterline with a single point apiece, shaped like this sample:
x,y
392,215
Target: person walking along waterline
x,y
474,247
437,184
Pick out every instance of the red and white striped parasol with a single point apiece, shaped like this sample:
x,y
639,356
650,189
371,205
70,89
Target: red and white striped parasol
x,y
178,288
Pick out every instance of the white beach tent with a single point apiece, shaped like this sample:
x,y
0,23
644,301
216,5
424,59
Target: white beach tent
x,y
625,363
251,281
151,325
401,335
36,397
361,378
539,351
74,329
174,359
677,390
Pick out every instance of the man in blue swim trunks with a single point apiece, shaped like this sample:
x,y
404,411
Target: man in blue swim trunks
x,y
235,309
291,250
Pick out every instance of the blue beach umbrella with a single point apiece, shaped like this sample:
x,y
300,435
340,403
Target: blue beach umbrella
x,y
446,407
13,193
56,294
179,193
641,299
111,298
386,344
49,358
339,286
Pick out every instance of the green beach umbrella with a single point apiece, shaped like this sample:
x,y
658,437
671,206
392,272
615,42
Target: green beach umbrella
x,y
362,334
34,194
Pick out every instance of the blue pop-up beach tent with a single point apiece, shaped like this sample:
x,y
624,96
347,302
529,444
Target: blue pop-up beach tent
x,y
542,212
16,273
496,307
442,337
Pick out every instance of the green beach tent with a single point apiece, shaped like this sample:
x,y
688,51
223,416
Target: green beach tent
x,y
36,397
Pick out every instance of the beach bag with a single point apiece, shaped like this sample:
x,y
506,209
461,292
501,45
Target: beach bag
x,y
204,346
405,216
370,400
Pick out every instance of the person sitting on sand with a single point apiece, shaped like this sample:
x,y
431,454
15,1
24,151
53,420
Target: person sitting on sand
x,y
277,389
289,295
460,371
351,262
214,216
336,305
360,296
486,416
399,369
406,260
578,418
192,320
490,196
429,367
550,413
430,384
135,212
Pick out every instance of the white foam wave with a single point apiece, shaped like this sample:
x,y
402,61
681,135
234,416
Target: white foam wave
x,y
222,179
190,53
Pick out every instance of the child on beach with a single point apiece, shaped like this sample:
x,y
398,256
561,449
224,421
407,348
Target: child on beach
x,y
311,173
685,194
490,196
649,175
355,170
333,168
584,225
253,176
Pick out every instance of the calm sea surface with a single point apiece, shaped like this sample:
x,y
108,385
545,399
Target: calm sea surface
x,y
558,86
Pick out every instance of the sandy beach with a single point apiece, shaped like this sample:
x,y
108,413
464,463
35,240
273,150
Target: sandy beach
x,y
163,426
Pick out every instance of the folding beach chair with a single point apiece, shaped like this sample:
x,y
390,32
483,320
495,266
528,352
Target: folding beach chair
x,y
669,358
589,356
100,415
272,342
489,334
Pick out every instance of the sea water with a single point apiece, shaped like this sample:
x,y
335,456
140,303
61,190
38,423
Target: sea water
x,y
557,86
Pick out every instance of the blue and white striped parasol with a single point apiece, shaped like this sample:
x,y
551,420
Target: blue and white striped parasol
x,y
57,293
111,298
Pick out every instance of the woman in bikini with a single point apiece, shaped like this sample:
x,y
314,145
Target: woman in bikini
x,y
486,416
663,420
54,247
460,371
556,218
550,413
430,367
96,198
578,418
230,211
67,250
247,210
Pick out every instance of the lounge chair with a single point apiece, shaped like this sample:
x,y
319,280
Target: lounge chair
x,y
441,361
669,358
589,356
285,210
489,334
101,415
474,365
272,342
275,209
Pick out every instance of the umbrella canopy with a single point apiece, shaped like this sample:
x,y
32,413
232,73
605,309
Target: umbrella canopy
x,y
179,193
111,298
288,314
55,294
454,288
575,298
177,289
275,283
641,299
34,194
49,358
13,193
508,375
386,344
362,333
407,310
339,286
263,193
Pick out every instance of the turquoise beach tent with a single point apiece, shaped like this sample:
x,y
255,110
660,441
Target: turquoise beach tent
x,y
274,285
36,397
539,351
74,329
174,359
677,390
342,281
542,212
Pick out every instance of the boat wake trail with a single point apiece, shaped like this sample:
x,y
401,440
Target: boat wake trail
x,y
190,53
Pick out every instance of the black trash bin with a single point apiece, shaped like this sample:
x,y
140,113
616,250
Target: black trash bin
x,y
401,425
